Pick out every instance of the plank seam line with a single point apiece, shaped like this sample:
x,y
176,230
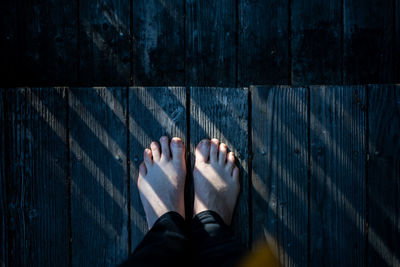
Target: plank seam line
x,y
131,44
250,166
184,45
69,217
188,157
78,42
308,91
342,41
237,44
290,76
128,170
366,176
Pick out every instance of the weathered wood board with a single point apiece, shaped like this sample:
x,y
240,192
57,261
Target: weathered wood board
x,y
3,184
279,171
316,41
210,43
153,112
158,42
338,122
50,42
368,41
35,173
384,175
98,167
104,43
263,42
222,113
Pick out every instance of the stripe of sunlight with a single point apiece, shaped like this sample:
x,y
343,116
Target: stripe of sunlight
x,y
217,132
136,130
59,129
151,104
353,214
289,138
102,45
116,22
87,204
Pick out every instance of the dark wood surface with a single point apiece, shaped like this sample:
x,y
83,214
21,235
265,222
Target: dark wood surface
x,y
99,195
384,176
337,178
198,43
210,43
319,171
104,42
279,171
158,42
316,42
35,174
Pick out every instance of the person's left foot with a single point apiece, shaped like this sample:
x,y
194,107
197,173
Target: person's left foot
x,y
161,179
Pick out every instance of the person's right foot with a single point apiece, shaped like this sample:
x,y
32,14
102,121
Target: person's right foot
x,y
216,179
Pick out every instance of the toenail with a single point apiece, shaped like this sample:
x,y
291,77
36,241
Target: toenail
x,y
164,138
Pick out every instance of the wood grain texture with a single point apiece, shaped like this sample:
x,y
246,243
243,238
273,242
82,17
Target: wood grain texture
x,y
263,55
12,30
158,47
222,113
36,176
104,46
153,112
368,41
99,199
337,182
3,185
279,171
51,42
316,42
210,43
384,176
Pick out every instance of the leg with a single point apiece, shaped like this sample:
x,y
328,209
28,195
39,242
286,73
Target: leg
x,y
216,186
161,185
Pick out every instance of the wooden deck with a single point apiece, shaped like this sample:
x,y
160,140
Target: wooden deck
x,y
320,169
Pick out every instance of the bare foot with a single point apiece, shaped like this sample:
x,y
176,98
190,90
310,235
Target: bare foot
x,y
216,179
161,179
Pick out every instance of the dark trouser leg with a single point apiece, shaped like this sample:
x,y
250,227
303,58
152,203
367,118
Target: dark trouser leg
x,y
166,244
213,243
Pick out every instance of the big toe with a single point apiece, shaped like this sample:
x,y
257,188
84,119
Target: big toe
x,y
177,149
203,151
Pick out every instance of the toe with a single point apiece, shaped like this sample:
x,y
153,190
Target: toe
x,y
142,170
223,149
203,151
235,174
155,150
147,158
165,153
230,163
177,149
214,150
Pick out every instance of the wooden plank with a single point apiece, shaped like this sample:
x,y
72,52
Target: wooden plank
x,y
263,54
104,46
396,61
368,41
279,171
337,182
3,184
316,41
99,200
153,112
36,177
223,113
210,43
158,47
51,42
11,44
384,176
